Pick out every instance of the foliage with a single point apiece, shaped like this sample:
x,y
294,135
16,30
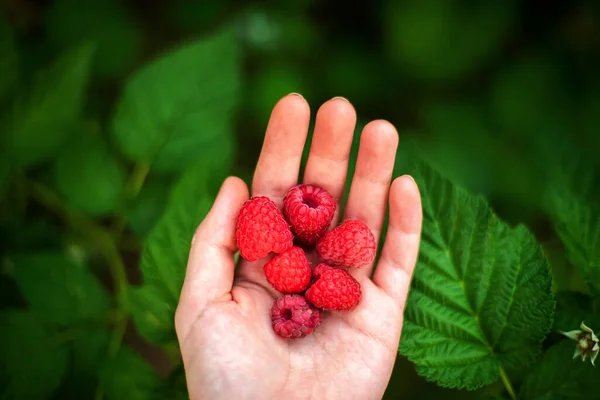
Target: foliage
x,y
480,303
119,120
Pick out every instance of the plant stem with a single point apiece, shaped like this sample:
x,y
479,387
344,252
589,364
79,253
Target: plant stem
x,y
507,384
98,235
132,190
137,179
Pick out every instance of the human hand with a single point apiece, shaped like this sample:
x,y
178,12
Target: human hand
x,y
223,323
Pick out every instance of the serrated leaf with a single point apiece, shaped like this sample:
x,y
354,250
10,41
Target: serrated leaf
x,y
58,290
578,224
129,377
89,176
181,107
165,253
43,120
104,23
31,364
480,302
9,62
560,377
142,215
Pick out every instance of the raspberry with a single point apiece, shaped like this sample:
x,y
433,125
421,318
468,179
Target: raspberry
x,y
289,272
351,244
309,209
319,270
293,317
261,229
336,289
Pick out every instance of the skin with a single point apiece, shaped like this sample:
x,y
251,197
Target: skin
x,y
223,319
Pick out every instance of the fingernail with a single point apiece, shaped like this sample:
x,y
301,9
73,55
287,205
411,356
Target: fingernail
x,y
410,177
296,94
341,98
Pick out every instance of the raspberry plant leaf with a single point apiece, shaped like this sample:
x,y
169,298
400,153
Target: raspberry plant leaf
x,y
571,199
128,376
89,176
181,106
42,120
144,212
32,364
559,376
480,302
166,249
59,290
577,221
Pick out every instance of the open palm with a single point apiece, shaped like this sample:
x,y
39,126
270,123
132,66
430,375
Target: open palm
x,y
223,319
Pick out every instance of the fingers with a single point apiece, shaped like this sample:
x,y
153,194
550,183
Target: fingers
x,y
374,167
279,162
327,163
401,247
209,274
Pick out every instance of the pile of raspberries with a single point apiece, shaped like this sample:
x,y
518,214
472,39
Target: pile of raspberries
x,y
307,290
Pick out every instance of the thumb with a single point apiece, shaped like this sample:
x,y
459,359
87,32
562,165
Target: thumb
x,y
210,268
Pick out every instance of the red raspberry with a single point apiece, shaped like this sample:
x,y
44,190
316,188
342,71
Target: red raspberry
x,y
351,244
309,209
336,289
261,229
289,272
319,270
293,317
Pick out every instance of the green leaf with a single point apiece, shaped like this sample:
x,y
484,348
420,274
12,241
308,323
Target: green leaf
x,y
9,62
152,315
59,290
104,23
558,376
165,253
89,350
578,224
480,303
571,201
129,377
89,176
42,121
181,107
31,364
149,205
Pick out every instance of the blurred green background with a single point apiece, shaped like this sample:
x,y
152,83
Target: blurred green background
x,y
105,104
